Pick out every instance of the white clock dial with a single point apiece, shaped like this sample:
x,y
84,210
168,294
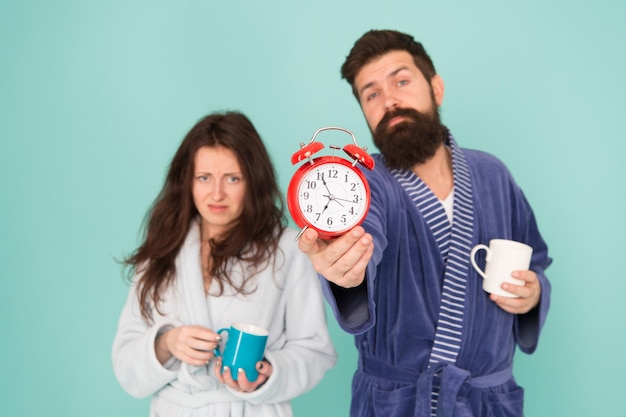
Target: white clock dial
x,y
332,197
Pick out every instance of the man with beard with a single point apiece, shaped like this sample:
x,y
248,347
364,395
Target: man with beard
x,y
430,340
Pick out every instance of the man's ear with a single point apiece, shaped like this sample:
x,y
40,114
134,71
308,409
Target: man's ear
x,y
436,83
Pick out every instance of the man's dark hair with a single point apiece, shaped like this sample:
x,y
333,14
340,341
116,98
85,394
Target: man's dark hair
x,y
376,43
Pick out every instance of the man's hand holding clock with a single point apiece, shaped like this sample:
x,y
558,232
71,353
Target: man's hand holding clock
x,y
342,260
328,197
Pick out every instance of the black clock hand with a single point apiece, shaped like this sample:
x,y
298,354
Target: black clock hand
x,y
342,199
327,189
331,197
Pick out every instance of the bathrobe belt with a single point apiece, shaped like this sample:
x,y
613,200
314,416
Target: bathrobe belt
x,y
452,380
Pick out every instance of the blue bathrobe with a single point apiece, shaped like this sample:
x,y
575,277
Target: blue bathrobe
x,y
394,313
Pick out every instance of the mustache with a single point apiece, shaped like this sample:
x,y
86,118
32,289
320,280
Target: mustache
x,y
412,141
411,114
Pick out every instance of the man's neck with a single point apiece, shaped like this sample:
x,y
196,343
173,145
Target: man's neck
x,y
437,172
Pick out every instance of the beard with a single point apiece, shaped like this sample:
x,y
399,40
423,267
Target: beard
x,y
411,142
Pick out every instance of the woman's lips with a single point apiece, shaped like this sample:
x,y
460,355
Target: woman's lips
x,y
217,209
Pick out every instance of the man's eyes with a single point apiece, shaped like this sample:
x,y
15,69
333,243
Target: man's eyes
x,y
372,96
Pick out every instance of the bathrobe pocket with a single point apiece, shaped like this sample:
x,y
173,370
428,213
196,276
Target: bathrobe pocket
x,y
507,404
397,402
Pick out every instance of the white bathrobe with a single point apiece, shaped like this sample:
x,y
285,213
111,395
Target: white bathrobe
x,y
287,301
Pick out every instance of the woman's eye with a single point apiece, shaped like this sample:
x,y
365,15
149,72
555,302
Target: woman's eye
x,y
234,180
402,82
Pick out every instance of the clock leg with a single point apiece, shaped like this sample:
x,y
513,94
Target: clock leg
x,y
301,231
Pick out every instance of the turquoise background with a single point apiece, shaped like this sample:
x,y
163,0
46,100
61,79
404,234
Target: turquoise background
x,y
95,96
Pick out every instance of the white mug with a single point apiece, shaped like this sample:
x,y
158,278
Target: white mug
x,y
503,257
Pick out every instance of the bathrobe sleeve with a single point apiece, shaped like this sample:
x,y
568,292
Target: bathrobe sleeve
x,y
528,326
503,211
135,363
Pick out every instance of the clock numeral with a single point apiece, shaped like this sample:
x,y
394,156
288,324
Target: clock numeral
x,y
343,218
356,198
351,211
311,185
333,173
329,221
352,186
309,208
306,195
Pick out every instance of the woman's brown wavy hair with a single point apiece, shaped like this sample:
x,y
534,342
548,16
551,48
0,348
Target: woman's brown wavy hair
x,y
253,238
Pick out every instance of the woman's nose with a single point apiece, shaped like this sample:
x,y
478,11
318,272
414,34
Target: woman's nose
x,y
218,191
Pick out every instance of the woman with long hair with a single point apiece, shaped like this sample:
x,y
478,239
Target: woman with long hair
x,y
216,250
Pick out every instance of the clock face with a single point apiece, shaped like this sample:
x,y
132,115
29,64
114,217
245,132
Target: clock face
x,y
331,197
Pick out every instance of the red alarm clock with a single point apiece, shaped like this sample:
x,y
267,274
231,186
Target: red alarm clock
x,y
329,193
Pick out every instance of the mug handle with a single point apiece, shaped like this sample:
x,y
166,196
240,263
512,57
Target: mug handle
x,y
473,260
217,348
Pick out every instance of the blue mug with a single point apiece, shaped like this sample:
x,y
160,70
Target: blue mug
x,y
245,347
